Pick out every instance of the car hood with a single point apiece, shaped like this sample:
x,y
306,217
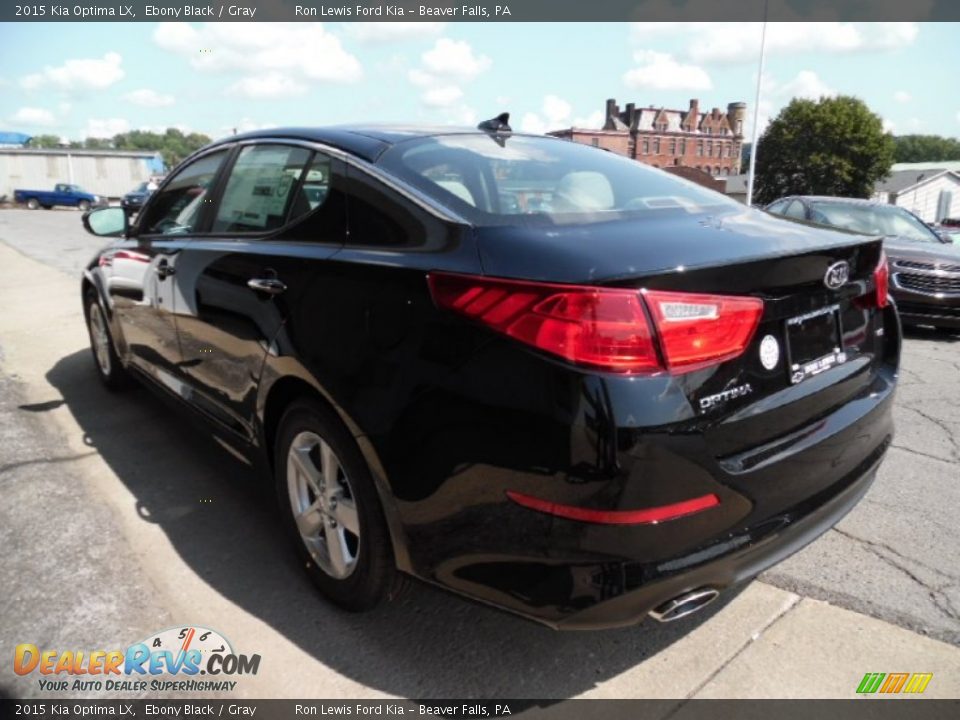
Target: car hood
x,y
901,249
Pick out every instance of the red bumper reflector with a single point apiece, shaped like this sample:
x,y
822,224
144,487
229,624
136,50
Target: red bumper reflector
x,y
646,516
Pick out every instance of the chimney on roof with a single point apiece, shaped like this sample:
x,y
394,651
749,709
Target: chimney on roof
x,y
612,109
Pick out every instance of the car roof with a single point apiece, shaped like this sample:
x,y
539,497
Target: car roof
x,y
835,199
365,141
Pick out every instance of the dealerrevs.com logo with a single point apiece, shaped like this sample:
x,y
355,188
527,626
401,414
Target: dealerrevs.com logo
x,y
170,660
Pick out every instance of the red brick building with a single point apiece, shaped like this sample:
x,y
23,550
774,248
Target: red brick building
x,y
706,141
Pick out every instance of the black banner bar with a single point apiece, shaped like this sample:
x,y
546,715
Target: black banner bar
x,y
873,708
479,10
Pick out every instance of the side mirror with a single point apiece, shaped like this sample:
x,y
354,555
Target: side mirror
x,y
106,222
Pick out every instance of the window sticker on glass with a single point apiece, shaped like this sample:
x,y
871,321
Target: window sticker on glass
x,y
259,188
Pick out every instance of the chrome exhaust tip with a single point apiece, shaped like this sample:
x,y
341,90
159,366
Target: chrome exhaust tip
x,y
683,605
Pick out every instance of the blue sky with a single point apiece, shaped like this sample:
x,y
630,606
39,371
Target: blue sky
x,y
76,79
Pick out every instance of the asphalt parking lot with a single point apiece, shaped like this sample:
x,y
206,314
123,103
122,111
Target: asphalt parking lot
x,y
120,519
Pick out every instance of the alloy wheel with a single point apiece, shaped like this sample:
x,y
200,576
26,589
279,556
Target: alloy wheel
x,y
323,504
100,338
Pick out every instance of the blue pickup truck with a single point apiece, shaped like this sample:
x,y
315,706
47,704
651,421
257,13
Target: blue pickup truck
x,y
62,194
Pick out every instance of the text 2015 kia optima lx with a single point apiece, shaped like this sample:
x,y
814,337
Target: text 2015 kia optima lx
x,y
533,372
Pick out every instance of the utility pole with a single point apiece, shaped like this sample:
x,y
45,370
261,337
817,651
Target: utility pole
x,y
756,109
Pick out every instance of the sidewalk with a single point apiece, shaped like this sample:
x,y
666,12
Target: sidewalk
x,y
766,643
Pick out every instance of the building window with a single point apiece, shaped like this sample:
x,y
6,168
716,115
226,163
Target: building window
x,y
726,171
699,150
673,146
646,146
683,146
716,170
595,142
709,148
656,146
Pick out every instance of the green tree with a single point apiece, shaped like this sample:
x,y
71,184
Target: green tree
x,y
44,141
832,146
926,148
172,144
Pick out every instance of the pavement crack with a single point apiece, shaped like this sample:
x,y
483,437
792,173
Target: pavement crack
x,y
948,431
43,461
937,594
910,450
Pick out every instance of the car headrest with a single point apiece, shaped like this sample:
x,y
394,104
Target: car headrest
x,y
586,190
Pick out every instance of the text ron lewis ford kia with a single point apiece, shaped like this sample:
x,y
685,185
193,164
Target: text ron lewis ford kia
x,y
530,371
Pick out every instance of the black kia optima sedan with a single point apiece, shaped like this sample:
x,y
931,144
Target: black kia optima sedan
x,y
538,374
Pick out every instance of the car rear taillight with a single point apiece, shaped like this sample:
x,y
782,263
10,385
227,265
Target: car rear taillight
x,y
600,327
881,278
880,297
698,330
606,328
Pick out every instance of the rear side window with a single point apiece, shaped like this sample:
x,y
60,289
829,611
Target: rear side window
x,y
262,185
177,209
514,179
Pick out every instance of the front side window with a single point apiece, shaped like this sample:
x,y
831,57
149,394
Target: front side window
x,y
261,186
523,179
177,209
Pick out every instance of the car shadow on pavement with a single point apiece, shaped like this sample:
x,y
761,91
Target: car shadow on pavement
x,y
221,520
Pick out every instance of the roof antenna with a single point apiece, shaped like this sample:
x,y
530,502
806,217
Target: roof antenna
x,y
499,124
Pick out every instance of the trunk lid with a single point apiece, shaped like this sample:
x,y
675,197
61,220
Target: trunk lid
x,y
829,334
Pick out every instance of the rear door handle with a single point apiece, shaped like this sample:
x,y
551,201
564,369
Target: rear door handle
x,y
270,286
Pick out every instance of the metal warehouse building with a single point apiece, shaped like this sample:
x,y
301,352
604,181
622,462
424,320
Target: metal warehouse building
x,y
110,173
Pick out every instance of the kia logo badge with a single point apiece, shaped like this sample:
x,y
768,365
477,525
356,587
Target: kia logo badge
x,y
837,275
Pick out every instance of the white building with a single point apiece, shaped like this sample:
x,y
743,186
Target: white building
x,y
110,173
929,190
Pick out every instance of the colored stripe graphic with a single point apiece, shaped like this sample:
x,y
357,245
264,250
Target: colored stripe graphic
x,y
894,682
918,683
870,683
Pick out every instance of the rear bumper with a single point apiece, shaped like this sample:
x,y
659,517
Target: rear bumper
x,y
742,557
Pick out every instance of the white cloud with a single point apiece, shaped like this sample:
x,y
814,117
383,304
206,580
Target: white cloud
x,y
106,127
271,85
305,52
660,71
739,42
807,85
79,74
144,97
555,114
380,32
443,96
443,70
33,116
902,96
454,58
774,95
889,126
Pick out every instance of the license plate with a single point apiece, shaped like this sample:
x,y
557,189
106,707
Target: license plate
x,y
814,343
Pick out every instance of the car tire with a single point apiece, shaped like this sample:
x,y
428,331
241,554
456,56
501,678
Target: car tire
x,y
83,205
342,536
33,203
48,207
105,359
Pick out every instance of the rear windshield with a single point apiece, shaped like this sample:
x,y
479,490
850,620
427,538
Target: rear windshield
x,y
885,220
517,179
